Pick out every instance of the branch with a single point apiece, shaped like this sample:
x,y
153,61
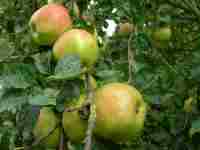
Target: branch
x,y
71,109
62,141
92,118
130,59
19,58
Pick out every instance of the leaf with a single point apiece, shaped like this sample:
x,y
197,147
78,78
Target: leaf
x,y
67,68
42,62
110,75
12,101
195,128
188,104
70,91
48,98
19,76
6,48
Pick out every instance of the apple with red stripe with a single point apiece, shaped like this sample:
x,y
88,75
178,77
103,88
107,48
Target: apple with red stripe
x,y
49,22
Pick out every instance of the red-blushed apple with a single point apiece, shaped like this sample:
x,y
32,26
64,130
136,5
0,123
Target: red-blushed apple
x,y
77,42
48,23
120,112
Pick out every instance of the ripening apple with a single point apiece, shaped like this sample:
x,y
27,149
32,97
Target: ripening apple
x,y
120,112
162,34
125,28
47,121
77,42
48,23
74,126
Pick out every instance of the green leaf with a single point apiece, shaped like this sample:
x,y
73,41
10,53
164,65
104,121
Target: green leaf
x,y
195,128
12,101
47,98
42,62
67,68
6,48
110,75
19,76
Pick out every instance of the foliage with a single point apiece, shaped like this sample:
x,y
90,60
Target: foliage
x,y
167,77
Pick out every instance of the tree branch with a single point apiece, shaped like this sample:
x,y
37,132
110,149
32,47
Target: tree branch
x,y
130,59
92,117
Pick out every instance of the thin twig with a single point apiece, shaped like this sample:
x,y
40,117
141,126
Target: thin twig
x,y
130,59
62,141
71,109
19,148
18,58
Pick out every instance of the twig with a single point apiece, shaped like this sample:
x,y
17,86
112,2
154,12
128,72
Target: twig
x,y
71,109
62,141
18,58
92,118
34,5
13,59
130,59
91,126
19,148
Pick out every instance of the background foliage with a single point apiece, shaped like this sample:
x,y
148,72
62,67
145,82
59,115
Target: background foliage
x,y
167,77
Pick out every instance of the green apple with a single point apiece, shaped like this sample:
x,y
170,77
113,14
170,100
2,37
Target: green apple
x,y
120,112
74,126
77,42
162,34
47,121
48,23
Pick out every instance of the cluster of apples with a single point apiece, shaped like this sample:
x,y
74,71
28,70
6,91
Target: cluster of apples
x,y
120,108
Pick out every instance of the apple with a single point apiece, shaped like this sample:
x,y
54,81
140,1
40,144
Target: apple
x,y
48,23
47,121
77,42
74,126
120,112
125,28
162,34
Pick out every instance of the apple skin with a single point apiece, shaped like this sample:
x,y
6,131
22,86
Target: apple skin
x,y
120,112
74,126
77,42
162,34
125,29
46,122
48,23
